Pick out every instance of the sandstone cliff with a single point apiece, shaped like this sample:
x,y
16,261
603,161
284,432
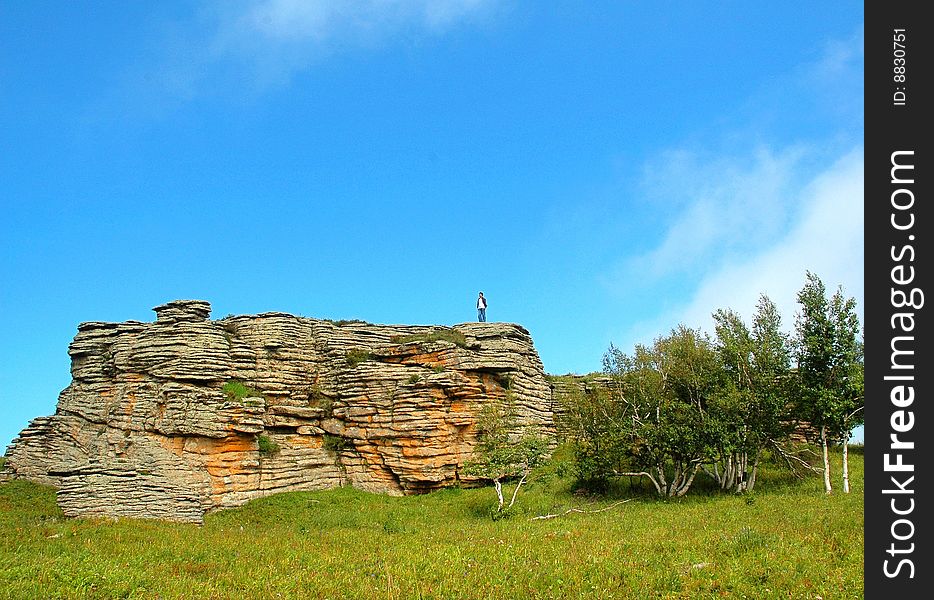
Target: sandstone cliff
x,y
184,415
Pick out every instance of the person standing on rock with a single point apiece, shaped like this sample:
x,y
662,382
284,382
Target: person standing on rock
x,y
481,308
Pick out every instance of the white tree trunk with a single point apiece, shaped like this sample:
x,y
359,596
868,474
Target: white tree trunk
x,y
499,491
846,465
685,484
515,492
752,473
823,443
654,481
729,472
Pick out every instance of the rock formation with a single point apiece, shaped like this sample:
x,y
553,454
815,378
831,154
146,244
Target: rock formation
x,y
174,418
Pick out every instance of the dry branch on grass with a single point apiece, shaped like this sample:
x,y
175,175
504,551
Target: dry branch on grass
x,y
579,510
794,462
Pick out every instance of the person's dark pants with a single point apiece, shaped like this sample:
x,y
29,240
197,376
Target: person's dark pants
x,y
481,315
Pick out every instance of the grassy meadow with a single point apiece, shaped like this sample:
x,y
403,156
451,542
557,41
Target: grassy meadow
x,y
786,540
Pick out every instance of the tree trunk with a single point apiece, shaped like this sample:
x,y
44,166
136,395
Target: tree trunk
x,y
662,481
742,463
846,465
823,443
632,474
752,473
515,492
499,492
686,482
729,472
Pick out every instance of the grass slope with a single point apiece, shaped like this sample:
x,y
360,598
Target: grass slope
x,y
788,540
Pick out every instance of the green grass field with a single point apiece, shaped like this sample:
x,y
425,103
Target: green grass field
x,y
787,540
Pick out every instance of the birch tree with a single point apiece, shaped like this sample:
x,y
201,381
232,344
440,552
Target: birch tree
x,y
752,404
666,391
848,376
829,356
502,454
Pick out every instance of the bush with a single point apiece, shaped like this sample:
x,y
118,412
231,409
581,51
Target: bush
x,y
441,335
236,391
334,443
318,399
266,445
356,356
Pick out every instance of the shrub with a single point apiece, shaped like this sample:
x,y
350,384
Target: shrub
x,y
2,462
236,391
334,443
356,356
414,379
266,445
318,399
441,335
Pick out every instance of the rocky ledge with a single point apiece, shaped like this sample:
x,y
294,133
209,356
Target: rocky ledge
x,y
185,415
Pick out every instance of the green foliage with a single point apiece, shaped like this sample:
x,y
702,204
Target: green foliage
x,y
753,403
355,356
414,378
2,462
236,391
266,445
830,359
342,322
505,381
503,454
591,420
318,399
659,422
686,405
438,335
792,542
334,443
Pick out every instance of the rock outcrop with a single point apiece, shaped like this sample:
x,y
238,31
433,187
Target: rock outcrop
x,y
178,417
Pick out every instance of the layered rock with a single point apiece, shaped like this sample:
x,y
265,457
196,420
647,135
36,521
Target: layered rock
x,y
174,418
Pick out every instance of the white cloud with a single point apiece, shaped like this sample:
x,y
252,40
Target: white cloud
x,y
732,224
826,237
320,19
262,44
277,38
725,206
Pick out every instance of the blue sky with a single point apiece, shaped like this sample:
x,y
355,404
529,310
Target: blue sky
x,y
602,171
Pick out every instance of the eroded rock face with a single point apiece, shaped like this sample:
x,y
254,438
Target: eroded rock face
x,y
147,427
